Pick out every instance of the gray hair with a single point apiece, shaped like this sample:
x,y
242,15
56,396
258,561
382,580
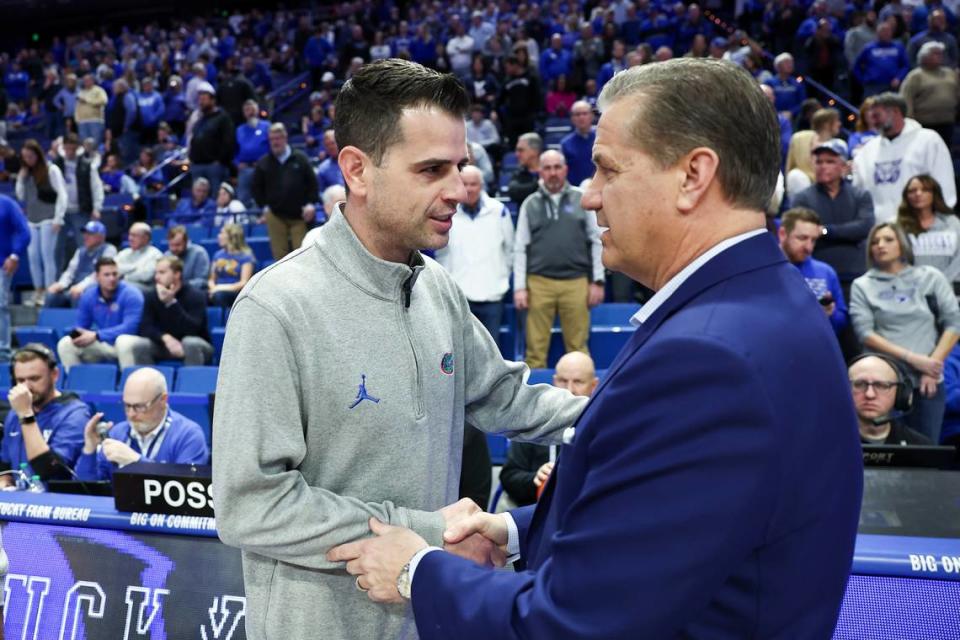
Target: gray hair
x,y
533,140
930,47
671,118
141,227
889,99
333,193
201,181
277,127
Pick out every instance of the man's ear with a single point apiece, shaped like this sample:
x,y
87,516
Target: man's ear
x,y
698,173
353,165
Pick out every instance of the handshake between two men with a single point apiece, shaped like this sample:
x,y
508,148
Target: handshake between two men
x,y
377,562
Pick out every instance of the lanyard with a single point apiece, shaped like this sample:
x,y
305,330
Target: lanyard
x,y
153,444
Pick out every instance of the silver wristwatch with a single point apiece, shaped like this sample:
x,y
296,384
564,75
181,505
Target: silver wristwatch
x,y
403,581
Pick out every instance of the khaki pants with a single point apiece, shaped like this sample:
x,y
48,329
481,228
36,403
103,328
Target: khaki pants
x,y
548,297
96,352
137,350
285,235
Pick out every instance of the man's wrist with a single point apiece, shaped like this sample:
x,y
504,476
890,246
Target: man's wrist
x,y
27,417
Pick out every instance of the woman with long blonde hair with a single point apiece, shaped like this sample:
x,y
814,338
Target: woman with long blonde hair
x,y
232,266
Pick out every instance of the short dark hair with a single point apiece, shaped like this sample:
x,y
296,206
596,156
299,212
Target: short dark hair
x,y
176,264
176,231
737,121
71,138
792,216
105,262
370,104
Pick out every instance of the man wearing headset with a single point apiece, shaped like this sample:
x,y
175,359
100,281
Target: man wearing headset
x,y
881,395
44,427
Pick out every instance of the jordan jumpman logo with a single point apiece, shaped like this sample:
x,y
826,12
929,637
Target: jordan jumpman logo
x,y
362,393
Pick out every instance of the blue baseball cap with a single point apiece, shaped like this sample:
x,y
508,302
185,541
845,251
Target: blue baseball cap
x,y
835,146
95,226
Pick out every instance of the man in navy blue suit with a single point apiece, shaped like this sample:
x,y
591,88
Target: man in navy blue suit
x,y
712,486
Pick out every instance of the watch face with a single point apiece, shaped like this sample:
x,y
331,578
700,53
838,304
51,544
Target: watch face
x,y
403,581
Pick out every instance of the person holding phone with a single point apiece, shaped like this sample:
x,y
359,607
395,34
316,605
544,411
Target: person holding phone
x,y
799,230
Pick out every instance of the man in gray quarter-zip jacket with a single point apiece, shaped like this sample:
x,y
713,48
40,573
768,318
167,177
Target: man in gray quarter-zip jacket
x,y
351,366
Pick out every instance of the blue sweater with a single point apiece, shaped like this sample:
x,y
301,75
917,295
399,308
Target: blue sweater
x,y
151,108
788,94
880,63
252,142
14,232
121,314
578,150
554,64
188,212
183,443
328,174
821,278
61,421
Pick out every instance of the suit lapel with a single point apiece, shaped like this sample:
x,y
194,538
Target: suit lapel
x,y
751,254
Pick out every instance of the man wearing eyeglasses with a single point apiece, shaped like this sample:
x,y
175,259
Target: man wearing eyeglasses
x,y
874,383
152,432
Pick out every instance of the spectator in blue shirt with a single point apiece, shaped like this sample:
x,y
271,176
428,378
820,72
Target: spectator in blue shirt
x,y
107,310
14,239
617,63
316,54
232,266
198,207
882,64
423,49
175,105
252,144
65,102
936,32
258,74
17,83
577,146
798,233
555,61
328,173
789,93
480,30
152,108
694,24
44,428
152,432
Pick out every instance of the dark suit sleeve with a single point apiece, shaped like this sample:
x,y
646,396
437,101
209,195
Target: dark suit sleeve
x,y
678,491
520,469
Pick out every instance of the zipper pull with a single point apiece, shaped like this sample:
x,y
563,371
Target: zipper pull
x,y
407,291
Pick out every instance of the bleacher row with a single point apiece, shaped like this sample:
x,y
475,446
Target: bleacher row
x,y
101,385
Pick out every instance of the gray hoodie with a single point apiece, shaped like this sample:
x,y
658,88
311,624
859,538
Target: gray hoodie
x,y
337,401
939,246
896,307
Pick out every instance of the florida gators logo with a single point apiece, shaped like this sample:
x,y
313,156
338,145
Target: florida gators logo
x,y
446,364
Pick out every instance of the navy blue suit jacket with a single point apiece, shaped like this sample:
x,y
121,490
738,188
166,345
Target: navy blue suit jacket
x,y
712,489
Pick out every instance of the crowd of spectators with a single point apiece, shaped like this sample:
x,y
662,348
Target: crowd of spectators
x,y
185,111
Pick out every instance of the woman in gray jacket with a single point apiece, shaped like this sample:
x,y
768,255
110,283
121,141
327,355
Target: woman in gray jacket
x,y
933,229
910,313
41,189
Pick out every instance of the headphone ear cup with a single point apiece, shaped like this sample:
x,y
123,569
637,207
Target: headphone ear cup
x,y
904,393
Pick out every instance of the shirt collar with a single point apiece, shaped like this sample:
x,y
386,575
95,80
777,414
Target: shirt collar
x,y
674,283
287,152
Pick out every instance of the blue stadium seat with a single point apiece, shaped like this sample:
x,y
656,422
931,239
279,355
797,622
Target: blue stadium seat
x,y
197,232
606,342
5,377
110,403
257,231
158,236
261,249
498,448
168,373
196,380
195,406
217,336
214,317
43,335
541,376
210,244
92,378
613,314
509,161
60,320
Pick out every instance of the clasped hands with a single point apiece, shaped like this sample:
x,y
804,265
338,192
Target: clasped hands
x,y
470,533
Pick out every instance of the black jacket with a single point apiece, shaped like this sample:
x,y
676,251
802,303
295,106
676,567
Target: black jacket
x,y
518,472
213,139
185,317
285,188
84,188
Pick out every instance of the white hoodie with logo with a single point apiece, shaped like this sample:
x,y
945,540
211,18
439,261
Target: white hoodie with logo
x,y
883,167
